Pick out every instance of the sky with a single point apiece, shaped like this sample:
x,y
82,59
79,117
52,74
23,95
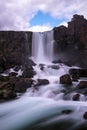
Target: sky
x,y
38,15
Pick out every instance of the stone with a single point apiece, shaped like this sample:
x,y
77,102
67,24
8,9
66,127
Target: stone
x,y
76,97
28,71
77,73
22,84
13,74
65,79
42,82
82,85
56,67
85,116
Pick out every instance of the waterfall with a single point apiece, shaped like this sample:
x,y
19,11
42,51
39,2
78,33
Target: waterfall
x,y
42,46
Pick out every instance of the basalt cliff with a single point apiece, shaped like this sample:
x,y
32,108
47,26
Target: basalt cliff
x,y
70,44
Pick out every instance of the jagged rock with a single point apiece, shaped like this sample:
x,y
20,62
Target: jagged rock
x,y
65,79
82,85
76,97
41,82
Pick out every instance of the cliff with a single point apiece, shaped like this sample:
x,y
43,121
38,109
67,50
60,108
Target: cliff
x,y
71,41
15,47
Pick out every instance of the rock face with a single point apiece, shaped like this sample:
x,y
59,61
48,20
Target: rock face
x,y
15,47
71,42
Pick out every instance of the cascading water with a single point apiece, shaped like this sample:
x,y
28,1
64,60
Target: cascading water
x,y
42,46
45,107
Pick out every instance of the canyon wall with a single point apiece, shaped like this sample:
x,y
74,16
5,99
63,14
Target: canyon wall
x,y
71,42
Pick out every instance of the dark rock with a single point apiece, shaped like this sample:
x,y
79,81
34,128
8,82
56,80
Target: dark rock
x,y
85,116
54,67
65,79
15,47
13,74
7,91
57,61
42,82
76,97
17,68
67,111
22,84
28,72
71,41
82,85
31,62
77,73
42,66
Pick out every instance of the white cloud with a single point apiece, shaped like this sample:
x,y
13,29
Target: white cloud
x,y
16,14
63,23
41,28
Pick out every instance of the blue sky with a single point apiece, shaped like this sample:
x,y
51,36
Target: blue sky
x,y
45,18
38,15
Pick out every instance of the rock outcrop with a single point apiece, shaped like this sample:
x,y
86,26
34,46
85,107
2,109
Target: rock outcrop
x,y
71,42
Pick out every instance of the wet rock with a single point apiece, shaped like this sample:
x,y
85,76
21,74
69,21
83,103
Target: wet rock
x,y
54,67
65,79
57,61
74,74
31,62
7,91
22,84
77,73
17,68
82,85
85,116
76,97
42,66
42,82
67,111
13,74
28,72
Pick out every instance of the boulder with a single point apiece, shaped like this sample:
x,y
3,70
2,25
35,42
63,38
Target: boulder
x,y
42,82
22,84
65,79
28,71
82,85
76,97
42,66
85,116
54,67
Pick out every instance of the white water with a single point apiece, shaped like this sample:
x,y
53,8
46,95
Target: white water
x,y
42,46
